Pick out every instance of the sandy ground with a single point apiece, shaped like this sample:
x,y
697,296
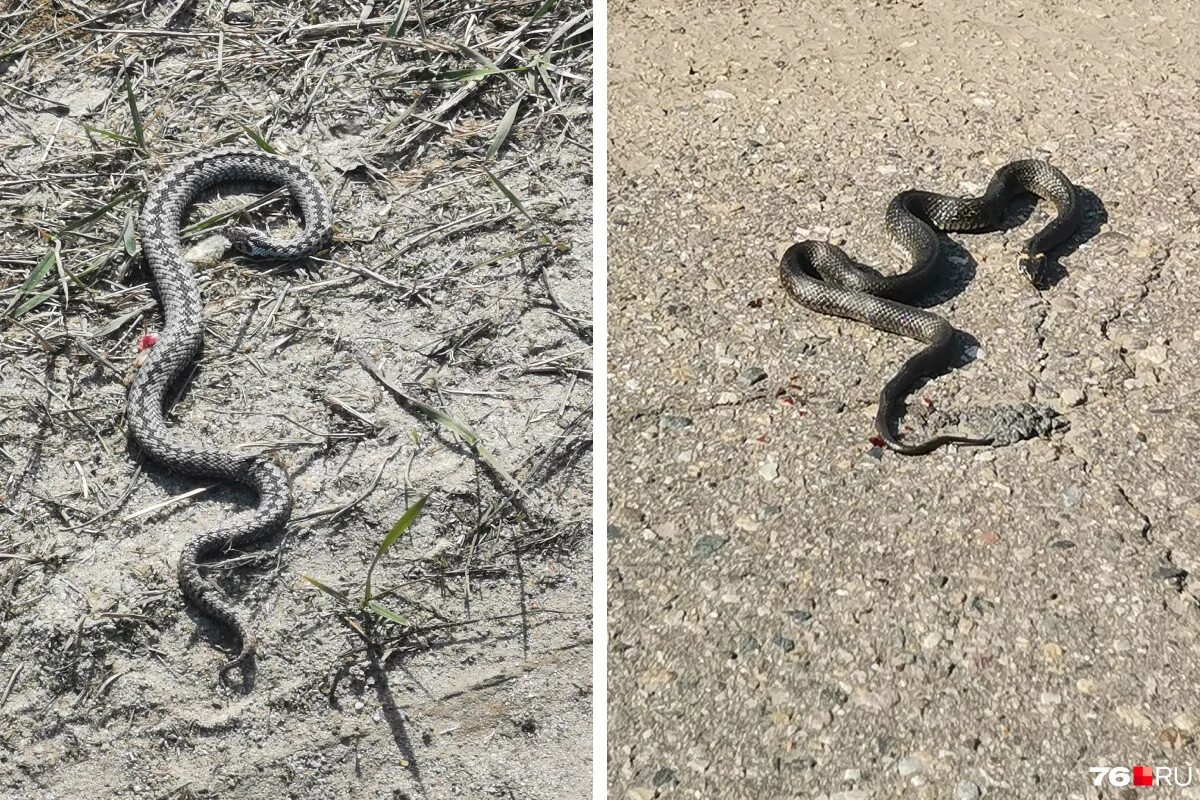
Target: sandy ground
x,y
794,613
472,298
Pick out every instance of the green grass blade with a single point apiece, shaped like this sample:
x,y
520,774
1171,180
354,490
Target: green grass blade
x,y
329,590
404,523
257,138
478,57
99,212
506,124
499,469
388,614
512,198
33,302
139,133
39,271
116,137
446,421
465,74
127,234
456,426
545,9
464,432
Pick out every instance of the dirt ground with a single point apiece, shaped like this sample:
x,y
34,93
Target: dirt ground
x,y
796,613
455,142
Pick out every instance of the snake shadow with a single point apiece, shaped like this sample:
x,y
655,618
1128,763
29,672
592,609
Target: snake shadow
x,y
1093,215
959,267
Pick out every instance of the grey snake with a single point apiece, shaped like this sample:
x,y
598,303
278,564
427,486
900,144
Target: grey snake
x,y
821,277
179,343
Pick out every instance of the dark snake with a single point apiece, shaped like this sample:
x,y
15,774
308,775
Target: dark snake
x,y
821,277
179,343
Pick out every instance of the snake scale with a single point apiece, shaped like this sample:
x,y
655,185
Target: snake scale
x,y
821,277
179,343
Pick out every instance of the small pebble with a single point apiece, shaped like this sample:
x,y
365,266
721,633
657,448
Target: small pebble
x,y
208,252
664,775
708,544
966,790
1155,354
1069,398
240,12
754,374
1169,573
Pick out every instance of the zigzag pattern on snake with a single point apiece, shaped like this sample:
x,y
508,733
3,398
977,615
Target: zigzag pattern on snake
x,y
179,343
822,277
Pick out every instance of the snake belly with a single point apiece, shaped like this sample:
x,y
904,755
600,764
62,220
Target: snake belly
x,y
179,343
821,277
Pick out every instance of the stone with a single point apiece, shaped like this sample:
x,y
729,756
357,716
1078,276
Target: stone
x,y
1070,397
240,12
769,469
753,375
1186,721
708,544
208,252
1155,354
966,790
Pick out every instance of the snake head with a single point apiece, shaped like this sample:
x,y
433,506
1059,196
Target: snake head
x,y
1033,266
248,241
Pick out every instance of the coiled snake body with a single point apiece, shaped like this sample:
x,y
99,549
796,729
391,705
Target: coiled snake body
x,y
822,277
179,343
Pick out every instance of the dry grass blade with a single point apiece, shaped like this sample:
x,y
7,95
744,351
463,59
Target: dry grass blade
x,y
450,423
512,198
139,132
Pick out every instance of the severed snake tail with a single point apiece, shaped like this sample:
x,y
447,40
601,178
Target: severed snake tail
x,y
823,278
